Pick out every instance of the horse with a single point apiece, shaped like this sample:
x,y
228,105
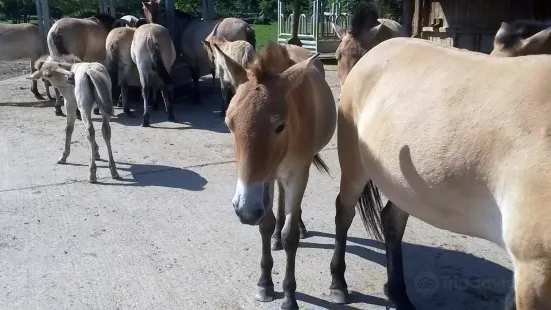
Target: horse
x,y
131,20
154,54
241,52
190,33
469,155
522,37
118,61
81,37
281,116
82,84
366,31
22,41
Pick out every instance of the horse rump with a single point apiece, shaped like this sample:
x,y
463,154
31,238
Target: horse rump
x,y
157,61
100,89
55,44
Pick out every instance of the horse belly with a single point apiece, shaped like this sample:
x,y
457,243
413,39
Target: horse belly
x,y
420,180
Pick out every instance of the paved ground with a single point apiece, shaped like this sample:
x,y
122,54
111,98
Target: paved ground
x,y
166,237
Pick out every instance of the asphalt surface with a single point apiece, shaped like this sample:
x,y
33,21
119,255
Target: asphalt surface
x,y
166,236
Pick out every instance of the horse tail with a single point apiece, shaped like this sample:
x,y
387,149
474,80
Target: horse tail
x,y
251,36
370,206
112,64
100,89
320,164
55,44
157,60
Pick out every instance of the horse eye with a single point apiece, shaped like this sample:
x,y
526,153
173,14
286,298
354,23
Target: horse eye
x,y
280,128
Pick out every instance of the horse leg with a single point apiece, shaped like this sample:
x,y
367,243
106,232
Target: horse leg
x,y
224,91
394,222
265,283
106,132
302,227
124,99
154,102
168,104
71,117
294,188
91,135
58,104
195,77
280,220
34,85
145,95
47,86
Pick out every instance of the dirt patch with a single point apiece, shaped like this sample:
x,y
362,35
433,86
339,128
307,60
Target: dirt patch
x,y
11,69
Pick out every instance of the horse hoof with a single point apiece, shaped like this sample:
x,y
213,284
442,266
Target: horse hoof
x,y
303,233
115,175
128,113
171,118
96,111
289,304
97,156
145,124
276,245
93,179
62,161
59,113
265,294
339,296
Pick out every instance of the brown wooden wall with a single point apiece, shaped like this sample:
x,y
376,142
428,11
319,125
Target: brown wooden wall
x,y
471,24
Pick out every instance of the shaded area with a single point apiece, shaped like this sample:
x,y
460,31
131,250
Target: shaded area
x,y
436,278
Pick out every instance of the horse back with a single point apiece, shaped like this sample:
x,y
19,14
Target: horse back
x,y
20,41
83,38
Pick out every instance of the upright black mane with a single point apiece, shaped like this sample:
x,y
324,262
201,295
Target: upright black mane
x,y
520,29
106,19
365,16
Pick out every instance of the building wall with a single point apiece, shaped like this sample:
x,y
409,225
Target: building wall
x,y
471,24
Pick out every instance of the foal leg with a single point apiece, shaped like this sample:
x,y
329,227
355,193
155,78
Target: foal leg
x,y
168,104
106,132
47,86
71,117
265,283
394,222
34,85
294,188
91,135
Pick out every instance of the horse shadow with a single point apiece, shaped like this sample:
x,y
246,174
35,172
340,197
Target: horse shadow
x,y
204,116
146,175
435,278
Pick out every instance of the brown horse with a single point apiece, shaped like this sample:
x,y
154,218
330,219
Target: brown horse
x,y
470,155
154,54
81,37
22,41
191,32
522,37
281,116
366,31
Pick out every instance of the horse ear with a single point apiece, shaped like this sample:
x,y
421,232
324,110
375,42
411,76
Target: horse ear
x,y
338,30
538,43
35,76
237,73
294,76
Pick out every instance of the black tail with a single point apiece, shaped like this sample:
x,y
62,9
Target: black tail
x,y
157,60
58,43
112,65
370,207
320,164
251,36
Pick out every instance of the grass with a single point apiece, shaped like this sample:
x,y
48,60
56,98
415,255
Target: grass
x,y
33,21
265,33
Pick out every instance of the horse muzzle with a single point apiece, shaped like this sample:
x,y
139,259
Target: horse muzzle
x,y
251,202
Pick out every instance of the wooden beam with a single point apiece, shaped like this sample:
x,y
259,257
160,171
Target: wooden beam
x,y
112,8
169,14
208,9
407,16
46,17
40,22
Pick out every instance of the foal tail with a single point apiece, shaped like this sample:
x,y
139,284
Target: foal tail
x,y
157,60
251,36
100,89
370,206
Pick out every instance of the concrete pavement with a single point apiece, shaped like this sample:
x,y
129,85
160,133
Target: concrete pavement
x,y
166,236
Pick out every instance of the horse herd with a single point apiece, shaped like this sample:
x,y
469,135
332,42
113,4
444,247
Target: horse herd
x,y
466,148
